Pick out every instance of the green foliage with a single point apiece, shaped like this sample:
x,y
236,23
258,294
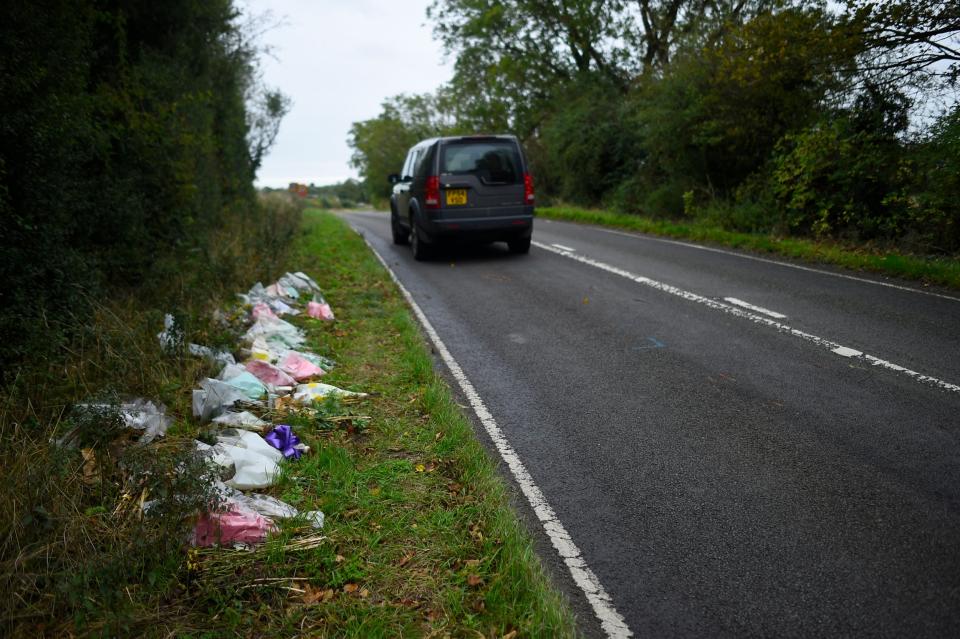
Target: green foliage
x,y
381,143
929,200
591,147
833,180
716,118
125,140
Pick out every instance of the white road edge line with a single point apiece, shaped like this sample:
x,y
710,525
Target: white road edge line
x,y
834,347
565,248
611,621
769,261
757,309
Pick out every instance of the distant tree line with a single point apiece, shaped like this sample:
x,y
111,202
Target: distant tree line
x,y
129,131
345,194
833,121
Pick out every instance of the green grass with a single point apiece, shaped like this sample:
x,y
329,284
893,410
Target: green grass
x,y
421,537
931,270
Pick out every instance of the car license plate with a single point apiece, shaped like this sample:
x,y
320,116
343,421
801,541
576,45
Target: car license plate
x,y
456,197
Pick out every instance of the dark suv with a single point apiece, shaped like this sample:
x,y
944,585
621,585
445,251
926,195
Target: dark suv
x,y
475,188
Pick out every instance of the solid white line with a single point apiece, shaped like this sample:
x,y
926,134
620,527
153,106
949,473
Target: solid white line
x,y
611,621
758,319
565,248
751,307
769,261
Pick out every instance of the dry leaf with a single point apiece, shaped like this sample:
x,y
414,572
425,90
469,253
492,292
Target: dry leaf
x,y
364,593
90,471
510,635
433,615
474,580
419,468
405,560
472,562
313,595
438,436
350,588
339,559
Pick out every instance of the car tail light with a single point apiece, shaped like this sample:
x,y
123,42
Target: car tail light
x,y
528,188
431,198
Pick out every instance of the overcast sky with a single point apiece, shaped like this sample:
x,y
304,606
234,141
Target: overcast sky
x,y
338,60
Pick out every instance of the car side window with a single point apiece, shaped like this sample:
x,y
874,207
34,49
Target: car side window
x,y
409,168
405,171
422,163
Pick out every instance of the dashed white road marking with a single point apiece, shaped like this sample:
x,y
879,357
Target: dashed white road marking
x,y
844,351
611,621
799,267
836,348
562,247
757,309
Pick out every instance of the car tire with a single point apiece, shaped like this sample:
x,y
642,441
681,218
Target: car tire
x,y
519,247
400,235
420,249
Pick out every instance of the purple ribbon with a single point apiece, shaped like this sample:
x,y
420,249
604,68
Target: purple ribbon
x,y
283,439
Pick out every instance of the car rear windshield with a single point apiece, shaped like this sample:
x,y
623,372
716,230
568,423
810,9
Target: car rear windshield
x,y
492,161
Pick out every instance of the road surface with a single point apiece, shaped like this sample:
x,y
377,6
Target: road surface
x,y
736,446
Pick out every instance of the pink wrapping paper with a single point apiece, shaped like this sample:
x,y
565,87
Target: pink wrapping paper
x,y
237,525
263,310
268,373
319,310
299,367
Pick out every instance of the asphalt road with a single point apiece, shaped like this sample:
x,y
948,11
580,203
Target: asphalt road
x,y
722,475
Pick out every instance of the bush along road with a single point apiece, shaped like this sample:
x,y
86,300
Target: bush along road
x,y
319,512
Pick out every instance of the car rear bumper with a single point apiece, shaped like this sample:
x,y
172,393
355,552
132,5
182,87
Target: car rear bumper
x,y
481,224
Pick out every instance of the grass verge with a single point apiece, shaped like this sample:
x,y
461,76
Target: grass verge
x,y
421,538
931,270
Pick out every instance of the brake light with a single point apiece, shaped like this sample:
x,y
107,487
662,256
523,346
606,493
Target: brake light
x,y
528,188
431,198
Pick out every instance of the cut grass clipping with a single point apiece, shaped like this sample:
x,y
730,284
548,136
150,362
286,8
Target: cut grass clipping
x,y
943,271
420,538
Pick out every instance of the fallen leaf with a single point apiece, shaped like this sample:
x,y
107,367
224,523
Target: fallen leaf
x,y
433,615
438,436
419,468
474,580
478,605
405,560
472,562
339,559
375,490
350,588
510,635
454,487
90,471
313,595
364,593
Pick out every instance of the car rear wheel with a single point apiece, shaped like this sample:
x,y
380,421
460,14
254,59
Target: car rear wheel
x,y
400,235
420,249
519,246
